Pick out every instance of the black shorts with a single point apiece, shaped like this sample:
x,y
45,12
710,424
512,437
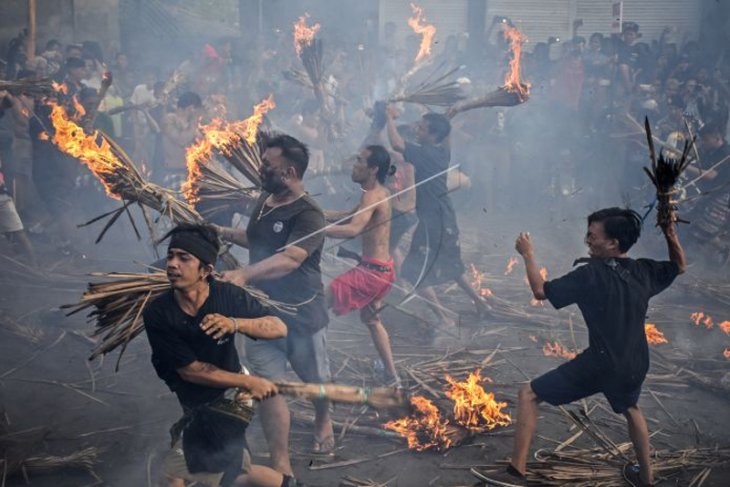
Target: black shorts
x,y
556,388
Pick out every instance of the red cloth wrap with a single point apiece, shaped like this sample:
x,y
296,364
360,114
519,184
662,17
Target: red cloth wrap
x,y
360,286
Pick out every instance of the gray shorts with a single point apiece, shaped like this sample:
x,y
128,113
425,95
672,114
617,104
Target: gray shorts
x,y
307,355
9,219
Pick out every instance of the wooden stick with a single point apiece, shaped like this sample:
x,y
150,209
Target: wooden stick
x,y
378,397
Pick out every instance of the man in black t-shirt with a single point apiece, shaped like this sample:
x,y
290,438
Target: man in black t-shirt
x,y
285,236
191,331
435,254
612,292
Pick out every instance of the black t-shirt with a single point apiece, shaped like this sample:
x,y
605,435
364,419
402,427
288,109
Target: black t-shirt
x,y
613,295
177,340
628,55
268,231
429,160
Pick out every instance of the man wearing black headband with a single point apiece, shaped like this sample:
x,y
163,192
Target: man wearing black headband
x,y
612,292
284,237
191,331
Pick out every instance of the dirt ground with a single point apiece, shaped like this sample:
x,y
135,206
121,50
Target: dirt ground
x,y
52,394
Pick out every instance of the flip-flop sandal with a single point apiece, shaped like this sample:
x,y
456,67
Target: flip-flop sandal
x,y
319,446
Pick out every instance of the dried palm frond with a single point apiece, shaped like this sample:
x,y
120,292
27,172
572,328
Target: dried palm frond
x,y
213,183
436,92
119,302
29,87
595,468
664,175
501,97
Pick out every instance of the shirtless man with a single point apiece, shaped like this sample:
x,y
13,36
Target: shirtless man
x,y
364,287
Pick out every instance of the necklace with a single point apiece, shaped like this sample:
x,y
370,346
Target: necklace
x,y
263,213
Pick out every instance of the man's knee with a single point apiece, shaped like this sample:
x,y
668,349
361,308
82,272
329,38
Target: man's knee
x,y
369,316
632,413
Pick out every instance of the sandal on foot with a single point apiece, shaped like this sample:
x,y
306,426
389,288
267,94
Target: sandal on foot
x,y
324,446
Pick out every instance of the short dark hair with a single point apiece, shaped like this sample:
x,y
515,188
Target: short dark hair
x,y
293,150
380,158
74,63
51,44
188,99
622,224
712,129
438,126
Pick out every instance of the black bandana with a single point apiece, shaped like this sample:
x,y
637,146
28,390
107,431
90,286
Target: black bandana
x,y
195,244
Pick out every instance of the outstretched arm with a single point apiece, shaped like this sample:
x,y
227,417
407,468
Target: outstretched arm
x,y
396,141
236,236
523,245
676,252
360,218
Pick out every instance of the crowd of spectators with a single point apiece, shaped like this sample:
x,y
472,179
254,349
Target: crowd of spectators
x,y
579,137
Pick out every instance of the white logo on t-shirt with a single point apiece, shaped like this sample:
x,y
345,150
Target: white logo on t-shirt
x,y
278,227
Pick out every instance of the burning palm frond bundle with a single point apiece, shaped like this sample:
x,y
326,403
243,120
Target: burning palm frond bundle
x,y
116,171
210,182
437,92
501,97
664,174
30,87
120,300
311,57
240,143
514,92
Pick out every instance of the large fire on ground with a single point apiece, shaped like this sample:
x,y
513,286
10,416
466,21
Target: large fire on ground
x,y
474,410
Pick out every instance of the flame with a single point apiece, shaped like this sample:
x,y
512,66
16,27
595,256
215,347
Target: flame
x,y
512,80
475,408
426,31
60,87
725,326
653,335
303,34
251,124
700,317
222,135
511,265
556,349
726,353
424,428
71,139
80,110
476,282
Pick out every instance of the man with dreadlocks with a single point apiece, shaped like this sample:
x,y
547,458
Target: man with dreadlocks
x,y
612,292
